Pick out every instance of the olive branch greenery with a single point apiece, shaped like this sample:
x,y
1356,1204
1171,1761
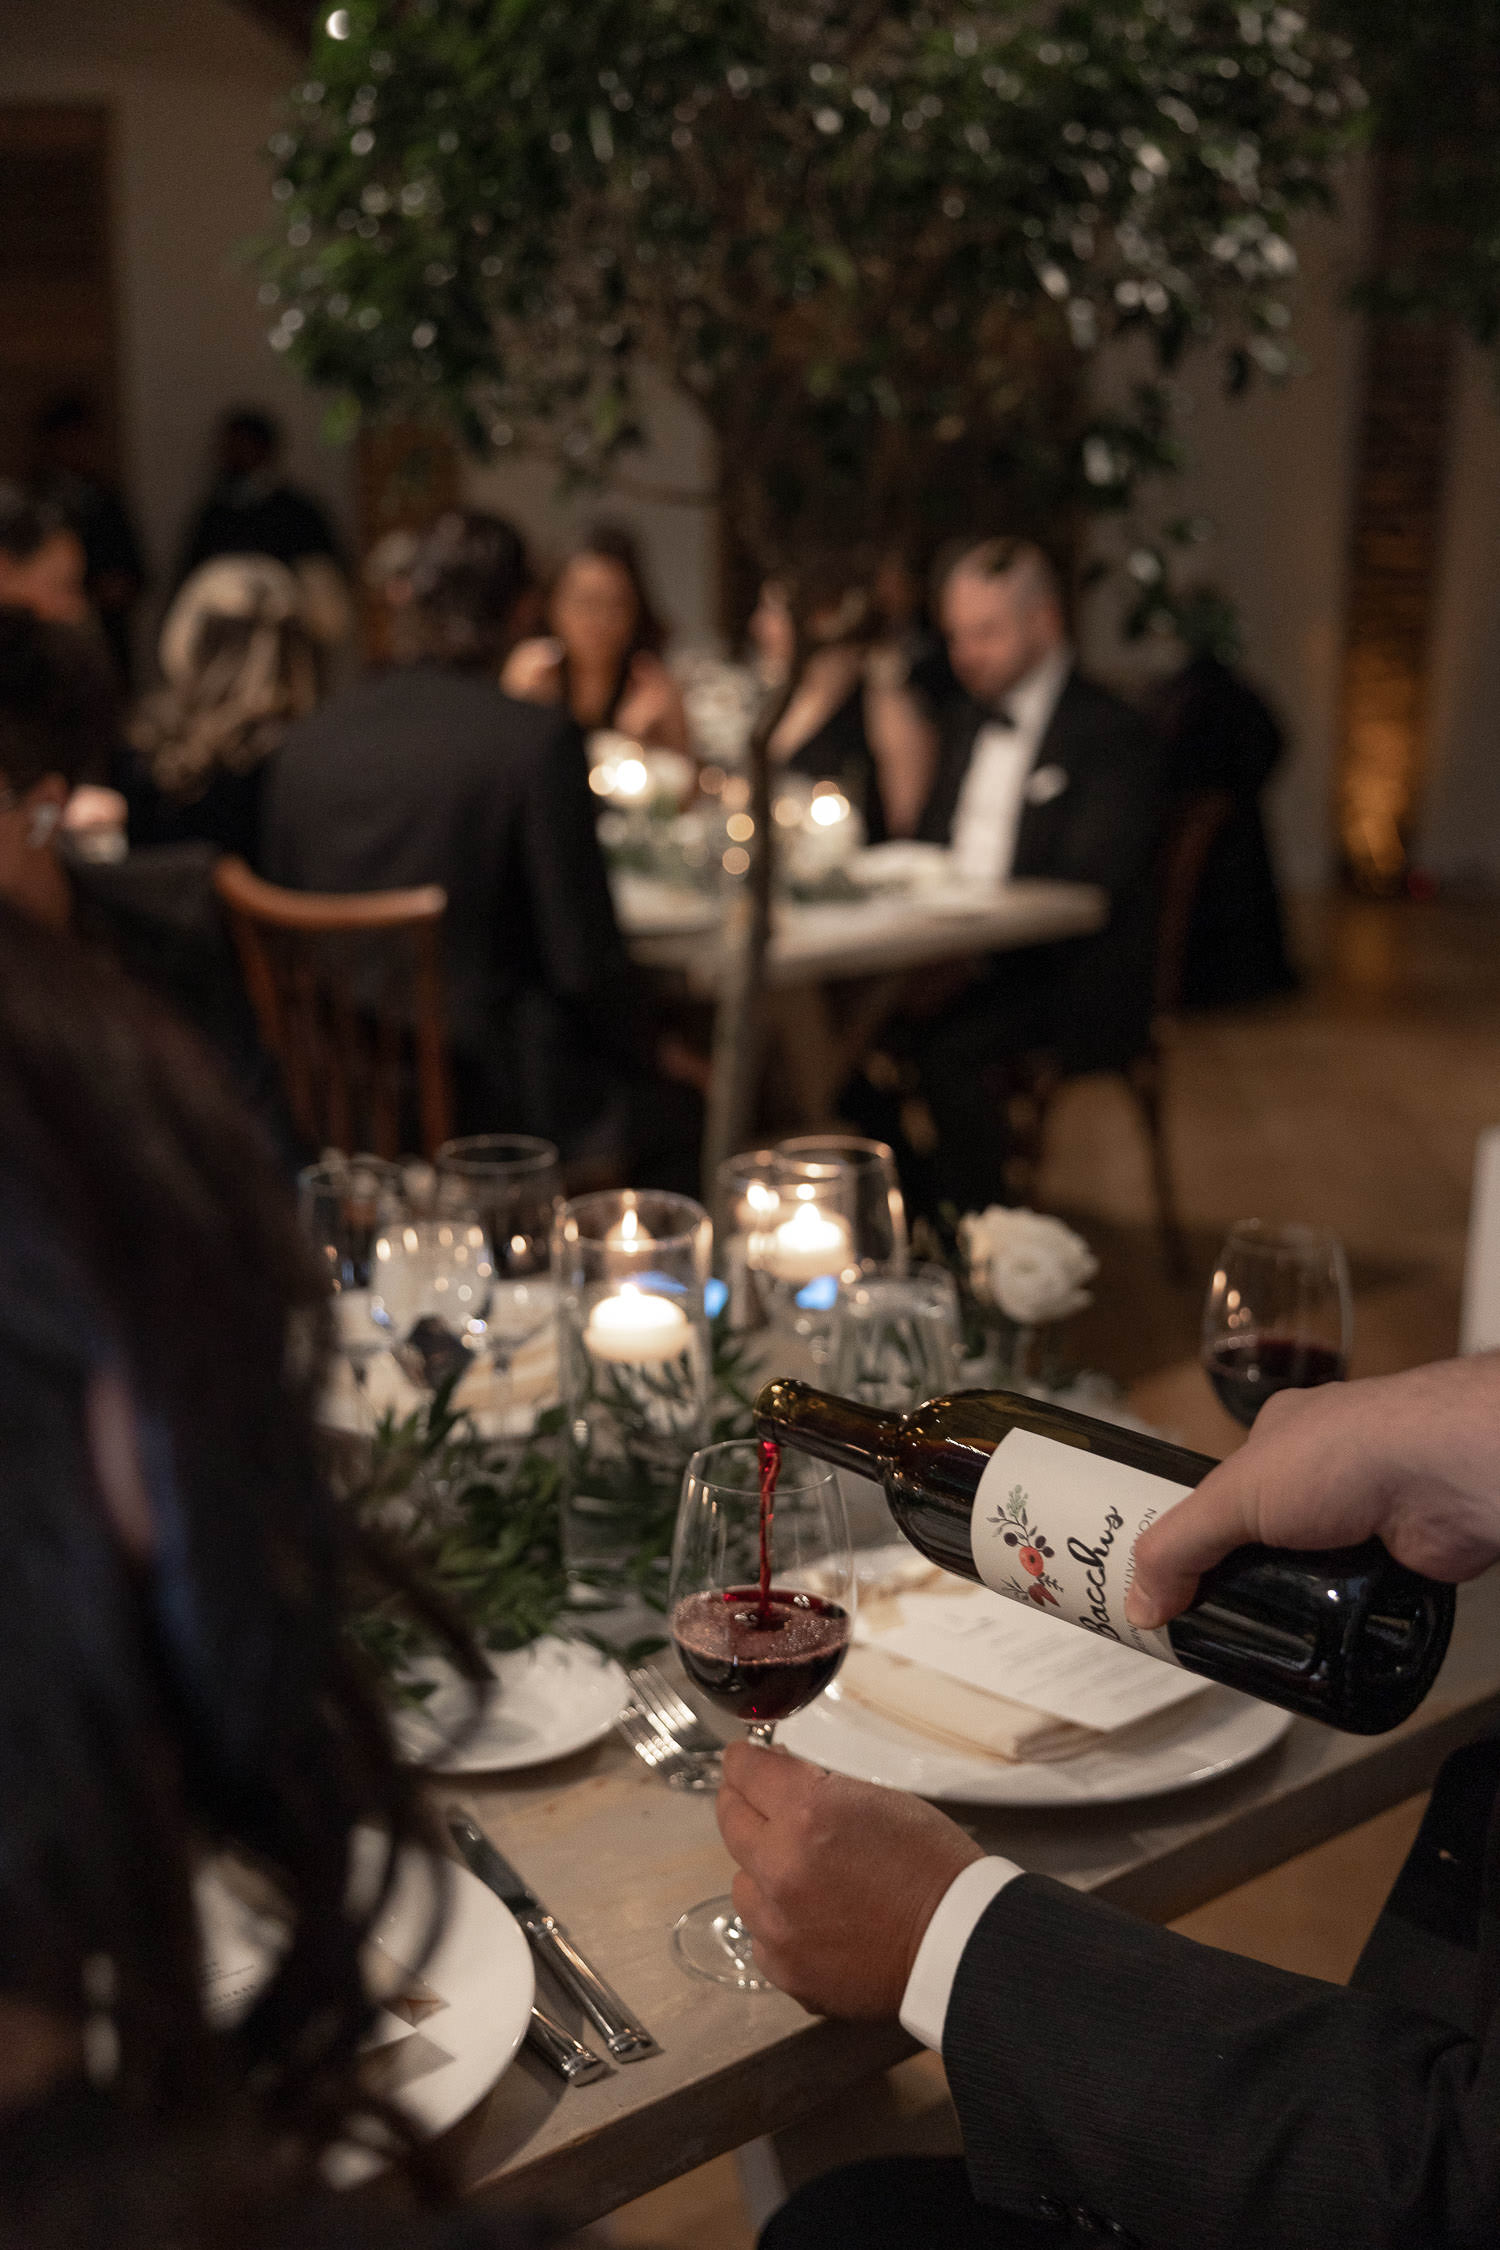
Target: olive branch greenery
x,y
479,1520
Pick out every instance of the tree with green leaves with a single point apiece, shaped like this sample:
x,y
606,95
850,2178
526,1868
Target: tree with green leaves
x,y
877,244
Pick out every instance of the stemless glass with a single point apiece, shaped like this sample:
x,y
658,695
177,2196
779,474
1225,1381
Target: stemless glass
x,y
512,1184
759,1664
880,1242
897,1340
1278,1315
344,1205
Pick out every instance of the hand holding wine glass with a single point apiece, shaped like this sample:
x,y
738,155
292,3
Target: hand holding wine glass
x,y
1278,1315
762,1601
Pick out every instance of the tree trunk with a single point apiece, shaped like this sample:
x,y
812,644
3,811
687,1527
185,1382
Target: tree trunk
x,y
739,1016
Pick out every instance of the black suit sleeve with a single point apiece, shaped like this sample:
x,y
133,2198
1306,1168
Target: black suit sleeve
x,y
582,955
1112,815
1196,2101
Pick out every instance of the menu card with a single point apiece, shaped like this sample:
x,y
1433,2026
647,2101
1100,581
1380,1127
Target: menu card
x,y
987,1642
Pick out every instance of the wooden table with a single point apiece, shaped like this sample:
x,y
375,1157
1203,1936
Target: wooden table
x,y
883,935
874,944
618,1856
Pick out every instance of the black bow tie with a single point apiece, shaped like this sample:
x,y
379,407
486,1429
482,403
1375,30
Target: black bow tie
x,y
1000,715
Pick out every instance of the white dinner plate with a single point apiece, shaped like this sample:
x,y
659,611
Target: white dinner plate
x,y
471,1997
1192,1743
552,1698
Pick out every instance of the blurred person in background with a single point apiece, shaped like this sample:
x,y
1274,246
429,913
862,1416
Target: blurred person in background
x,y
243,654
176,1683
42,563
1223,737
1040,773
601,654
250,509
851,717
154,912
900,592
43,571
428,772
69,477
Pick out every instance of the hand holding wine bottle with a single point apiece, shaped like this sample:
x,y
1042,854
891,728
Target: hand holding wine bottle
x,y
1410,1459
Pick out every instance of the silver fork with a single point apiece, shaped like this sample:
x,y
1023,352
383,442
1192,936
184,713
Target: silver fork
x,y
661,1753
671,1712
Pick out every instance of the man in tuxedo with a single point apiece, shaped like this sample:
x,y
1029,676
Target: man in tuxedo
x,y
1117,2083
427,773
1039,773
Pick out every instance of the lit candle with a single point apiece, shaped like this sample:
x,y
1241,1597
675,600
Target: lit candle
x,y
638,1329
809,1244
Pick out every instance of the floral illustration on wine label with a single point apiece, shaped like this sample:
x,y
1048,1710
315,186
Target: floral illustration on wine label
x,y
1012,1520
1094,1509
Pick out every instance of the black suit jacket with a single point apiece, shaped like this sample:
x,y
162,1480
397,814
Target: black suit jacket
x,y
1146,2089
424,775
1102,826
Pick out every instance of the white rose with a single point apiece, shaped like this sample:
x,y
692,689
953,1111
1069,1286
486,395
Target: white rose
x,y
1031,1266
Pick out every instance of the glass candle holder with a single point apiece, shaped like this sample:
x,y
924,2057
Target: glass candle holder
x,y
799,1255
879,1209
746,1197
630,1267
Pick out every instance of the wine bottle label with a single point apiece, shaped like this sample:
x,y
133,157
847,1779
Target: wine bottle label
x,y
1056,1526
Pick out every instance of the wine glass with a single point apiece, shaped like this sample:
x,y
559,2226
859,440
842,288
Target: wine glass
x,y
761,1622
1278,1315
344,1204
897,1339
512,1184
430,1283
880,1241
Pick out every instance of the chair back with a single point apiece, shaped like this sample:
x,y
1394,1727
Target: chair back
x,y
1189,838
348,997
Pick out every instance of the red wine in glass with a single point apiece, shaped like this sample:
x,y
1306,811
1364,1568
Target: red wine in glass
x,y
760,1663
761,1603
1278,1315
1247,1370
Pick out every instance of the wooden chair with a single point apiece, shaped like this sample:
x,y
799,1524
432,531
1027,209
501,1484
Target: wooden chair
x,y
1032,1082
348,995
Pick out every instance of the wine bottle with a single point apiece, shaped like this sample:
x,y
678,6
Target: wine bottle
x,y
1046,1505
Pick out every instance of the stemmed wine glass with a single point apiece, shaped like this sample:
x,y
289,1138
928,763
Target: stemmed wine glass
x,y
760,1629
345,1204
1278,1315
512,1184
430,1282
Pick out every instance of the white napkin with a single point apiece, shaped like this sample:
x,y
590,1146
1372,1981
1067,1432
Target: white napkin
x,y
973,1669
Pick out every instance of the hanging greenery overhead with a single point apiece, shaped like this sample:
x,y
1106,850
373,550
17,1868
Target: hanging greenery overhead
x,y
877,245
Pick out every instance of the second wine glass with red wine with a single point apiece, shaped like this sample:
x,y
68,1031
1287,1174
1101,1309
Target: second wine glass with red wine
x,y
762,1606
1278,1315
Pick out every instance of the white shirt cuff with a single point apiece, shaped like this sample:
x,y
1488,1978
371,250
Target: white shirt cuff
x,y
924,2004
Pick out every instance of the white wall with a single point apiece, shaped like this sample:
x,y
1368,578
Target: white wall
x,y
191,87
1273,471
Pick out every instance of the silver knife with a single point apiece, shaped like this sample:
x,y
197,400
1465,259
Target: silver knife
x,y
566,2055
626,2039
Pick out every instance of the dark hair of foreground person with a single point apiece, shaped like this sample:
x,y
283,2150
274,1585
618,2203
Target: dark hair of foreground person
x,y
175,1683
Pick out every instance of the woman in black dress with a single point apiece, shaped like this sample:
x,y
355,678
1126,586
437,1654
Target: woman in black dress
x,y
852,717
